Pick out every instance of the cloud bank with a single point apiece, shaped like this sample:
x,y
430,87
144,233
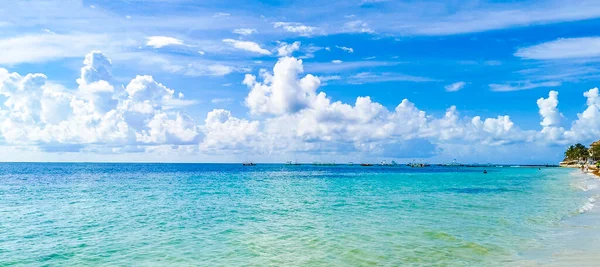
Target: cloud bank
x,y
288,114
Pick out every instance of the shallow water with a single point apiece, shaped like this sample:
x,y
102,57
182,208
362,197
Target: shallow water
x,y
274,215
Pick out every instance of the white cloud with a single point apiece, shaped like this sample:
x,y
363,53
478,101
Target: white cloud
x,y
52,118
295,27
296,116
585,47
225,101
357,26
327,67
244,31
485,16
281,92
47,46
347,49
162,41
524,85
329,78
286,49
551,117
455,86
548,110
224,132
208,69
369,77
247,46
336,61
587,125
221,15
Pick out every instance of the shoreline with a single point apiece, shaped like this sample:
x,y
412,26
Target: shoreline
x,y
591,169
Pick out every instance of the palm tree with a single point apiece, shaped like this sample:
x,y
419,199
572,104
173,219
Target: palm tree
x,y
570,153
595,152
577,152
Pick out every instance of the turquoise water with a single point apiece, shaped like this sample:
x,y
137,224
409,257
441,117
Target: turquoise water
x,y
274,215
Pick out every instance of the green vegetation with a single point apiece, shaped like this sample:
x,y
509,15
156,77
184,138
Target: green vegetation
x,y
577,152
595,152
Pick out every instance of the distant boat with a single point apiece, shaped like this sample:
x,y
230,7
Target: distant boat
x,y
414,164
366,164
292,163
247,163
385,163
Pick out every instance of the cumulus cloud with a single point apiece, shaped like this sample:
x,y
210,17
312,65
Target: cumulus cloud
x,y
587,125
247,46
286,49
281,91
224,132
289,112
51,117
548,110
162,41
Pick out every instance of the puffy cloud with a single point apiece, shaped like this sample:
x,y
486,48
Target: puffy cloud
x,y
292,116
551,117
286,49
549,111
162,129
94,81
587,125
55,119
281,92
97,67
162,41
224,132
247,46
144,88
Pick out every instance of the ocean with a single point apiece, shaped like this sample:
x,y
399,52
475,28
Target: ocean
x,y
96,214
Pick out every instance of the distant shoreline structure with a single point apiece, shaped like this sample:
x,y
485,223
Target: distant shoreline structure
x,y
581,157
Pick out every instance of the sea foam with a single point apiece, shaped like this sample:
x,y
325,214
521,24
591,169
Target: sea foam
x,y
588,205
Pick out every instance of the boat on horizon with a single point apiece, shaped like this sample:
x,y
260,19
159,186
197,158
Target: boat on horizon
x,y
248,163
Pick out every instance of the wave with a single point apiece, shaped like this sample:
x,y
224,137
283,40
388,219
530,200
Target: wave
x,y
589,205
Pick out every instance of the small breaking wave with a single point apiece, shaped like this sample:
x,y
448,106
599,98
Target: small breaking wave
x,y
589,205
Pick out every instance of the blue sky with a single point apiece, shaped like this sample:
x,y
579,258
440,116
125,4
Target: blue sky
x,y
463,65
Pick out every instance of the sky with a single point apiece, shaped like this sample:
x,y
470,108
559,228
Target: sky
x,y
271,81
